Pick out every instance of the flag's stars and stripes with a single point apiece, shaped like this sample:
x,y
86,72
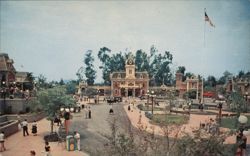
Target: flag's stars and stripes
x,y
208,20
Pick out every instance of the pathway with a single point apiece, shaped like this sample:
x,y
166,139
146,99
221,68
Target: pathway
x,y
17,145
93,130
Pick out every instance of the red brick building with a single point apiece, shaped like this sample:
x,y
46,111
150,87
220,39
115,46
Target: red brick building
x,y
191,83
243,84
7,70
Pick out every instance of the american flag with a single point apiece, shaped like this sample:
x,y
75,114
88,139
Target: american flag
x,y
208,20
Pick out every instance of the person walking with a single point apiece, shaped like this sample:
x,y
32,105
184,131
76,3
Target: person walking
x,y
2,142
89,113
77,137
86,112
25,127
34,128
47,149
111,111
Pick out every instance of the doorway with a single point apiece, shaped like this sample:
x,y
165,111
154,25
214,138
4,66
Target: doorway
x,y
130,92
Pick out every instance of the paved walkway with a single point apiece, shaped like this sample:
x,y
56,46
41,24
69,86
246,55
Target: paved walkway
x,y
94,131
17,145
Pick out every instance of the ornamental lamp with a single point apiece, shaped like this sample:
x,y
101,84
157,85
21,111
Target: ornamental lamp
x,y
242,119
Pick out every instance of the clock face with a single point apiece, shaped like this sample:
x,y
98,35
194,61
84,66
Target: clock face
x,y
130,62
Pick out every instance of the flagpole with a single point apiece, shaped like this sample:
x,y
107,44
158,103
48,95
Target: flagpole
x,y
204,29
202,89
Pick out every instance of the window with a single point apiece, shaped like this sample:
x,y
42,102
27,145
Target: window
x,y
130,71
119,75
141,76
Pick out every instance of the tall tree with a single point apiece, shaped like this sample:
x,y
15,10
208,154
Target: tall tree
x,y
80,74
104,57
30,77
159,69
157,65
211,81
225,77
187,75
42,81
71,87
90,73
241,74
52,99
61,82
181,69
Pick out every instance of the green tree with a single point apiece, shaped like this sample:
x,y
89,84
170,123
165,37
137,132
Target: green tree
x,y
156,64
42,81
226,75
201,143
61,82
210,83
191,94
237,102
141,61
80,74
71,87
159,69
241,74
52,100
181,69
104,57
30,77
90,73
187,75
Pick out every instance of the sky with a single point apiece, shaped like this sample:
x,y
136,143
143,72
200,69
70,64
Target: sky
x,y
51,37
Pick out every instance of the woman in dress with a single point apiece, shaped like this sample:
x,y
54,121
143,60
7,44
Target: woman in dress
x,y
34,128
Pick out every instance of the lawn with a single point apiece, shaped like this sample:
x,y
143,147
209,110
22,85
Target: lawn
x,y
149,108
230,122
169,119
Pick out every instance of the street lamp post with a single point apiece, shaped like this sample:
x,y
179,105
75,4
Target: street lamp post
x,y
220,108
3,93
152,97
98,92
246,98
241,138
147,98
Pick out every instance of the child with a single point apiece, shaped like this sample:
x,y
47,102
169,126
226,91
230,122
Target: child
x,y
47,149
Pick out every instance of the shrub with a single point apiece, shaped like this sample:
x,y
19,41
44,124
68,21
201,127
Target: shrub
x,y
149,115
140,106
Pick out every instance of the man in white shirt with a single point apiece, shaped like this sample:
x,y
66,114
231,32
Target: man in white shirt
x,y
25,127
86,111
77,137
2,142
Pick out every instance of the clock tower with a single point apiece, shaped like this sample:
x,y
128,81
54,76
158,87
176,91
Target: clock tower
x,y
130,68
